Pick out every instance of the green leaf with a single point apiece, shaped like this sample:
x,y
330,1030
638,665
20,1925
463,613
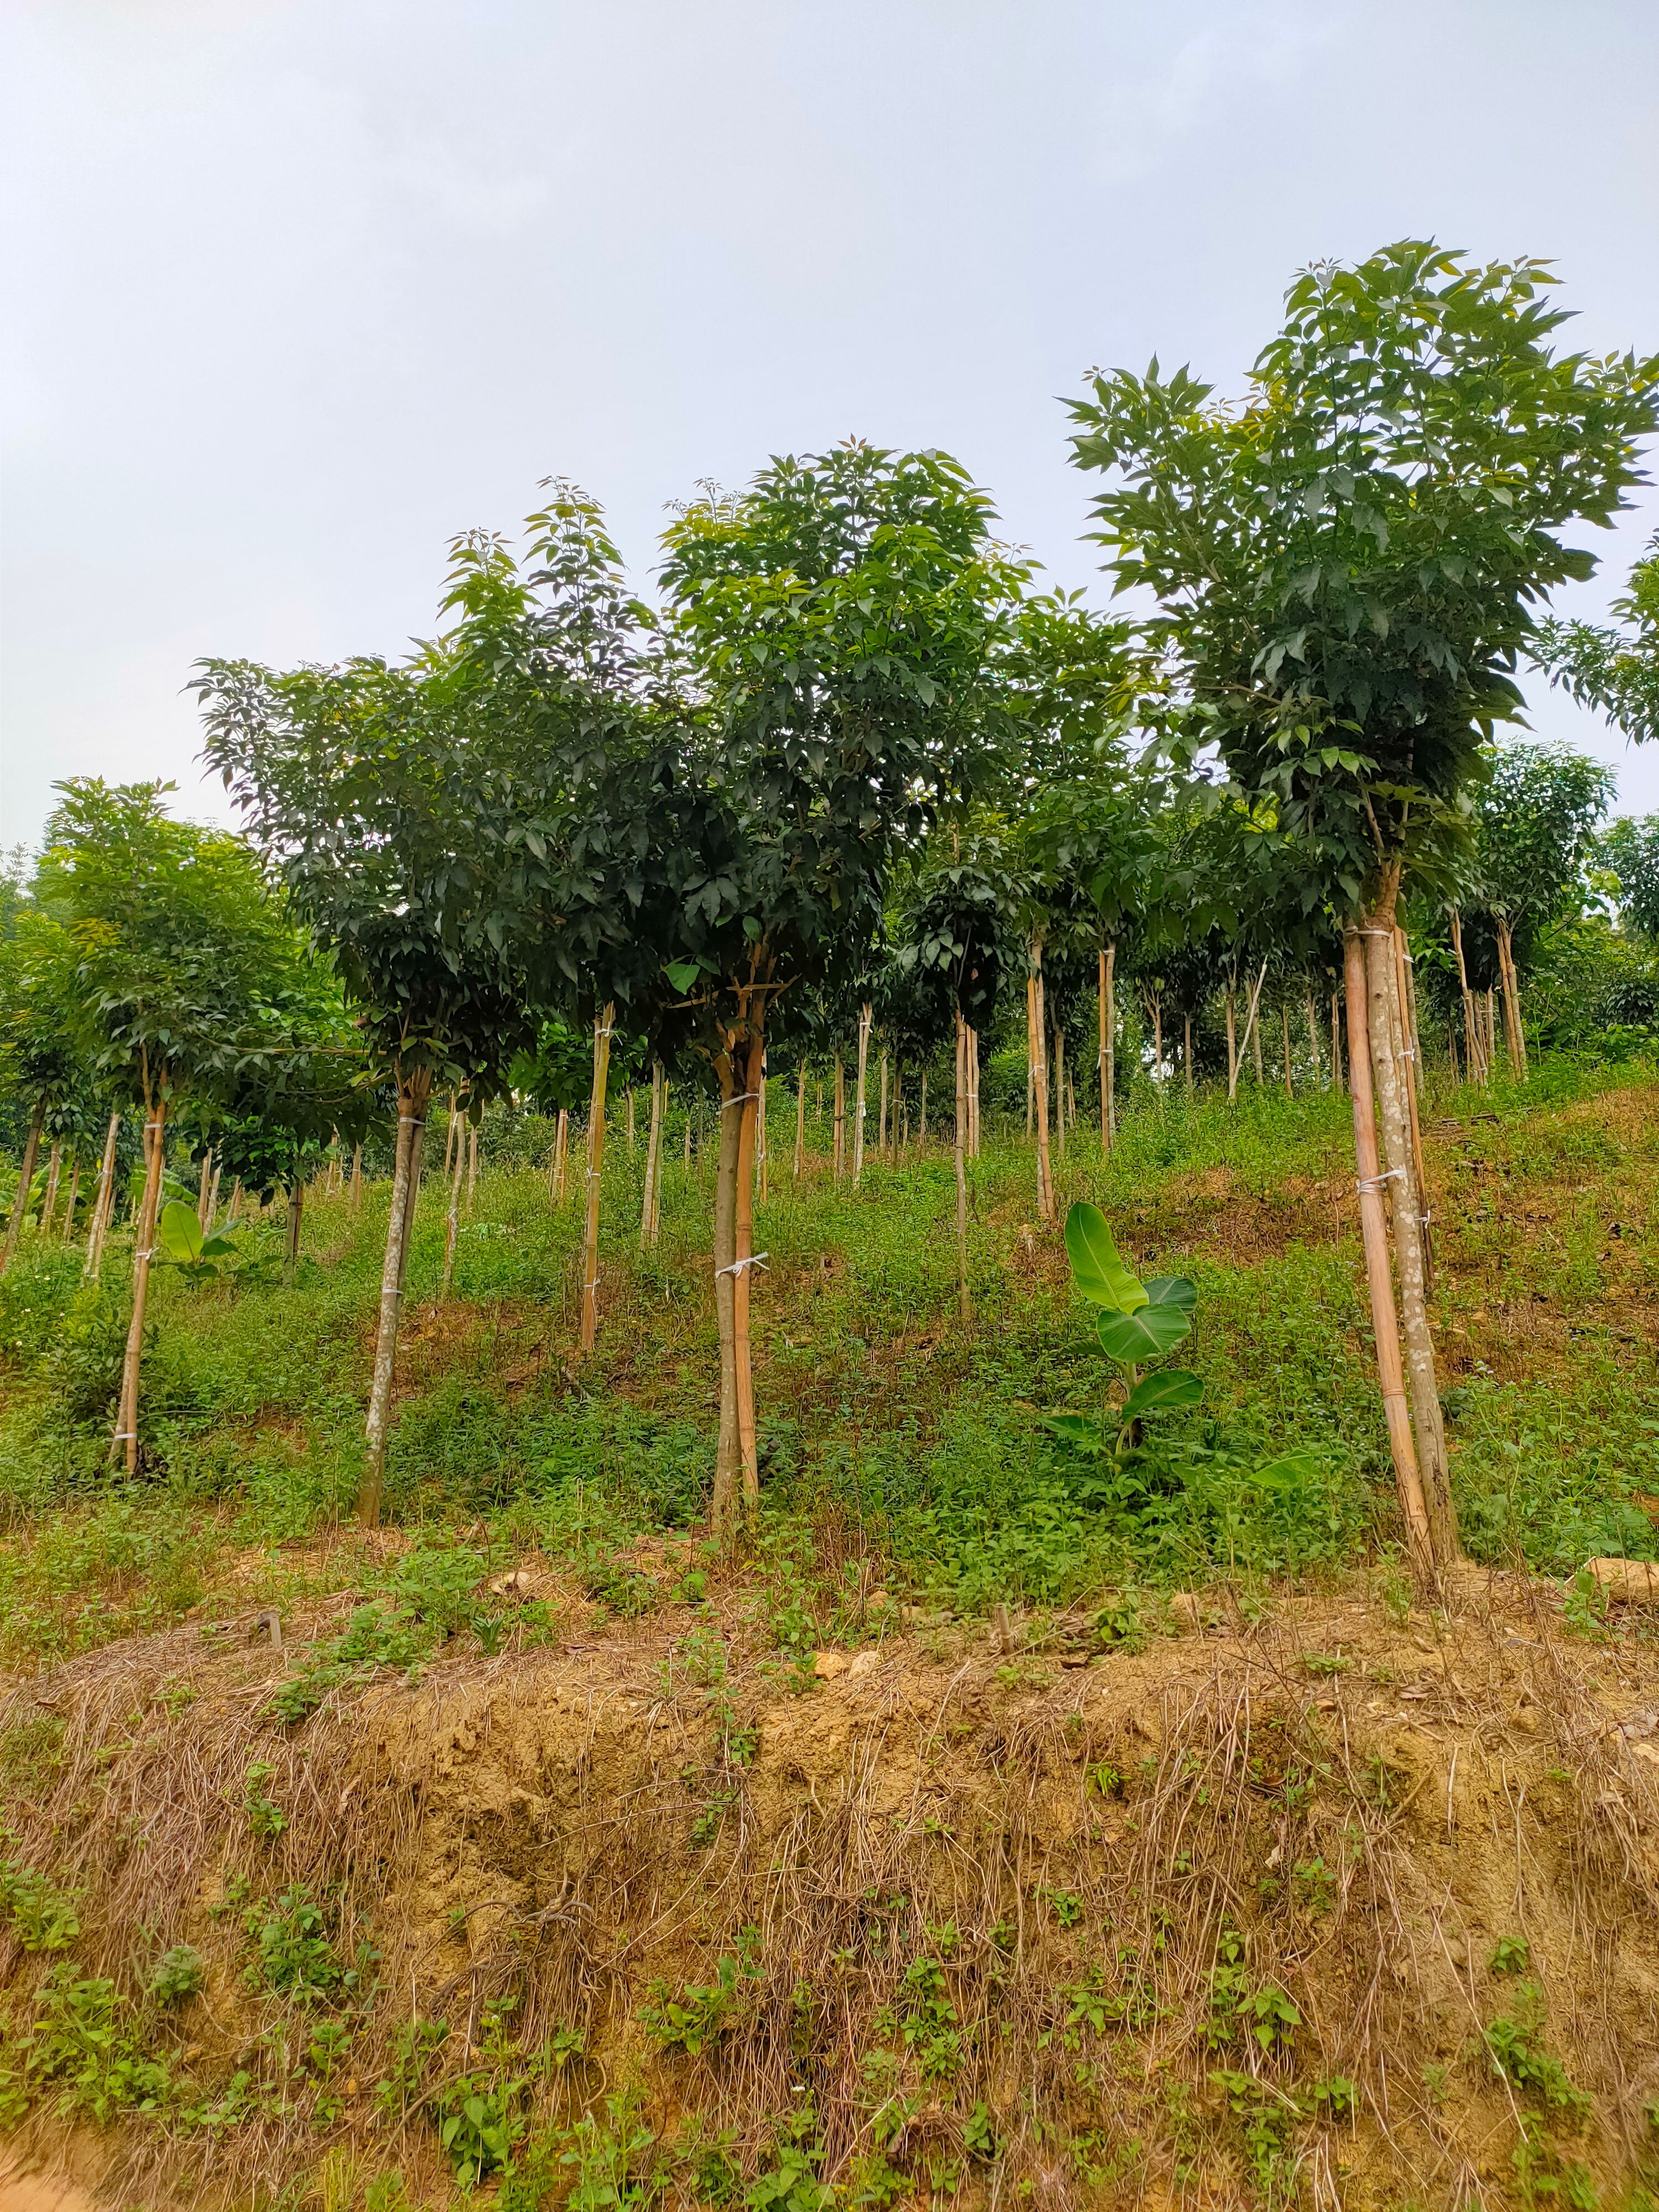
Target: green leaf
x,y
178,1233
1172,1387
1097,1270
1081,1430
682,974
1146,1334
1175,1291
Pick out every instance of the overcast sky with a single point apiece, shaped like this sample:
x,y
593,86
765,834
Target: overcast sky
x,y
294,288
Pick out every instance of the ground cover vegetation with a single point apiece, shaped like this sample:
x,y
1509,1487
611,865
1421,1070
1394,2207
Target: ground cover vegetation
x,y
984,1144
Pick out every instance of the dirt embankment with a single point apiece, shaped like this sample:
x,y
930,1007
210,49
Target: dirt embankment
x,y
1343,1906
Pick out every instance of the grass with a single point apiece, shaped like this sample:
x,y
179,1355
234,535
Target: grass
x,y
888,1430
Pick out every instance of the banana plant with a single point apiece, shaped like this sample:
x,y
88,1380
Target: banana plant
x,y
180,1243
1136,1322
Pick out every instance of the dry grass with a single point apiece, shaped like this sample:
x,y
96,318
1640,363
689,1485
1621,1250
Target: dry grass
x,y
1350,1809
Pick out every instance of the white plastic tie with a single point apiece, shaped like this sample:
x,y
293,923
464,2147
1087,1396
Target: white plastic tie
x,y
1377,1181
741,1099
755,1260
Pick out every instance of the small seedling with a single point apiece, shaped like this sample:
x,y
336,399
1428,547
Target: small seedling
x,y
1325,1665
180,1973
1135,1322
1512,1955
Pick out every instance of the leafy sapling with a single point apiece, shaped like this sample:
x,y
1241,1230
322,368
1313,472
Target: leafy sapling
x,y
1137,1322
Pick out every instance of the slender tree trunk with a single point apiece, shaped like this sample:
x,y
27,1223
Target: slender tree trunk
x,y
973,1092
922,1115
98,1228
966,1304
595,1172
1031,1050
1336,1043
414,1096
357,1178
653,1159
743,1258
452,1218
1471,1039
1374,1229
554,1162
1100,1063
1040,1062
1251,1029
728,1452
881,1131
1383,1021
840,1120
49,1204
662,1154
74,1189
452,1137
472,1163
629,1095
1411,1061
688,1139
800,1121
1187,1053
1261,1075
1060,1092
865,1013
1231,997
1514,1031
1111,1044
1155,1007
123,1444
202,1194
1314,1054
296,1200
213,1199
1284,1018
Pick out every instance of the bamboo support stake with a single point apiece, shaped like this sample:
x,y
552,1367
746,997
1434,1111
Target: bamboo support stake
x,y
103,1203
652,1156
1187,1053
73,1187
472,1163
743,1257
452,1220
1040,1062
25,1178
840,1119
1060,1092
49,1204
1385,1325
1101,1073
1384,1017
602,1030
800,1119
881,1132
123,1444
1111,1043
1284,1018
965,1299
865,1014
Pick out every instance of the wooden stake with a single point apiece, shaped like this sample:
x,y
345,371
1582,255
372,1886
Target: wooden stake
x,y
602,1031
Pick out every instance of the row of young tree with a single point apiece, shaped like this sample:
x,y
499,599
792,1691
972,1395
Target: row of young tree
x,y
854,777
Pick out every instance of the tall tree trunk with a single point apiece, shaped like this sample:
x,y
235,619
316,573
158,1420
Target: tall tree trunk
x,y
966,1304
629,1095
1252,1029
235,1207
865,1013
123,1444
662,1154
1384,1022
414,1097
452,1137
602,1028
49,1204
555,1161
296,1200
922,1114
1514,1032
881,1132
1111,1043
1284,1018
1261,1074
1059,1090
103,1204
652,1160
1100,1070
1040,1062
1410,1059
728,1451
1232,996
213,1197
1336,1043
1472,1050
451,1219
973,1092
1187,1053
800,1121
1155,1007
472,1163
356,1178
744,1256
1031,1050
202,1194
840,1119
74,1189
1374,1229
1314,1054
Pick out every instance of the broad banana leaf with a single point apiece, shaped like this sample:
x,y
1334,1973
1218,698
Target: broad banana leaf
x,y
1147,1334
1098,1270
1170,1387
